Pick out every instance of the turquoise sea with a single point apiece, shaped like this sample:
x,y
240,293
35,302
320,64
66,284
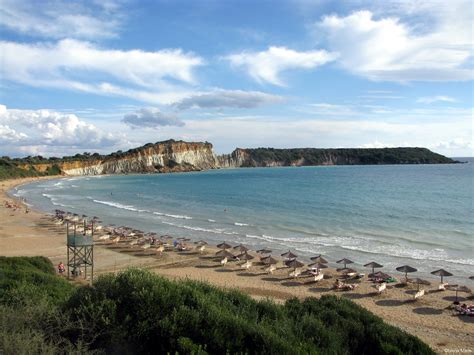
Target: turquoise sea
x,y
420,215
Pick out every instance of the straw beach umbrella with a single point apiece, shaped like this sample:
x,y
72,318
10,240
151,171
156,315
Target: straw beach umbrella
x,y
245,256
264,251
406,269
319,259
471,277
373,265
442,273
201,242
224,246
242,248
269,260
345,262
458,288
224,253
289,255
317,266
295,264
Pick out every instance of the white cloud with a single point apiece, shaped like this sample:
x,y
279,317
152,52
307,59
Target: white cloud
x,y
21,128
228,99
377,144
61,19
431,99
83,66
151,118
456,144
40,63
8,134
266,66
389,49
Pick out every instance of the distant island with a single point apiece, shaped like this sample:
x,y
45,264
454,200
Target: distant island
x,y
179,156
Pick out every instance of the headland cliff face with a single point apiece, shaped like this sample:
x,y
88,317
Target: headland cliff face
x,y
180,156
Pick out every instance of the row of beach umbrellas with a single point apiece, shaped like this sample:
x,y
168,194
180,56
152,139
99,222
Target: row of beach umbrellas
x,y
290,260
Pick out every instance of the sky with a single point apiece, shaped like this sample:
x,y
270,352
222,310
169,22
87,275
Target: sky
x,y
105,75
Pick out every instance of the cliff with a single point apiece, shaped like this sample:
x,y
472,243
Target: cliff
x,y
179,156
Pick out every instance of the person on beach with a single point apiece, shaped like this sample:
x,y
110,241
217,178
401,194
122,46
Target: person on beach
x,y
61,268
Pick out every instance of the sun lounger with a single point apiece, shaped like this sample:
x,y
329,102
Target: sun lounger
x,y
318,277
246,265
270,269
201,248
224,261
419,294
381,287
442,286
295,273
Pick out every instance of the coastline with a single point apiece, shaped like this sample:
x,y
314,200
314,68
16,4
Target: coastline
x,y
32,233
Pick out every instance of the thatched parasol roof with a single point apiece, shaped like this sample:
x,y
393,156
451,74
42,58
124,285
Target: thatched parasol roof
x,y
269,260
319,259
245,256
442,273
224,245
294,263
289,255
241,248
264,251
373,265
406,268
224,253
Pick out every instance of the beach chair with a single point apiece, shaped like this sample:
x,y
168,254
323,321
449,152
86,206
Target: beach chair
x,y
224,261
201,248
116,240
270,269
246,265
381,287
419,294
318,277
442,286
295,273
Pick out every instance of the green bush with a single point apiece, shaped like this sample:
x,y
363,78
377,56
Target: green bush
x,y
139,312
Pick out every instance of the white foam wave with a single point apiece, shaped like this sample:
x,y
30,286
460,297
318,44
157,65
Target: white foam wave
x,y
240,224
177,216
211,220
117,205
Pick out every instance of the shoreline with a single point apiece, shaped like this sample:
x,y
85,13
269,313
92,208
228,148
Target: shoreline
x,y
34,234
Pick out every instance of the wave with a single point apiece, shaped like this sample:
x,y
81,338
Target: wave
x,y
211,220
177,216
118,205
240,224
200,229
397,251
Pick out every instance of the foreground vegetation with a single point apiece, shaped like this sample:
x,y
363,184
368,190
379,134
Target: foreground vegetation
x,y
139,312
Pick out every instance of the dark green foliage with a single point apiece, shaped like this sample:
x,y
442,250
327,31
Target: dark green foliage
x,y
351,156
137,312
149,314
35,274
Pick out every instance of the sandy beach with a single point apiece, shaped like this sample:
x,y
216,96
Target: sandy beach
x,y
430,318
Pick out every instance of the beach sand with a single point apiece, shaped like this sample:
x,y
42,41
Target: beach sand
x,y
33,233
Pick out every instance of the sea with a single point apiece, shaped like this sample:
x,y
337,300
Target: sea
x,y
419,215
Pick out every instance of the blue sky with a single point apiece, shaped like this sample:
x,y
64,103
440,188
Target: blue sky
x,y
115,74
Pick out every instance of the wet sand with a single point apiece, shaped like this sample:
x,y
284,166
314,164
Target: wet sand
x,y
429,318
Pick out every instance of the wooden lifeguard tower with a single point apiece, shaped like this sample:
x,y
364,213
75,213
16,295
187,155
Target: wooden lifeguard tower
x,y
80,247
